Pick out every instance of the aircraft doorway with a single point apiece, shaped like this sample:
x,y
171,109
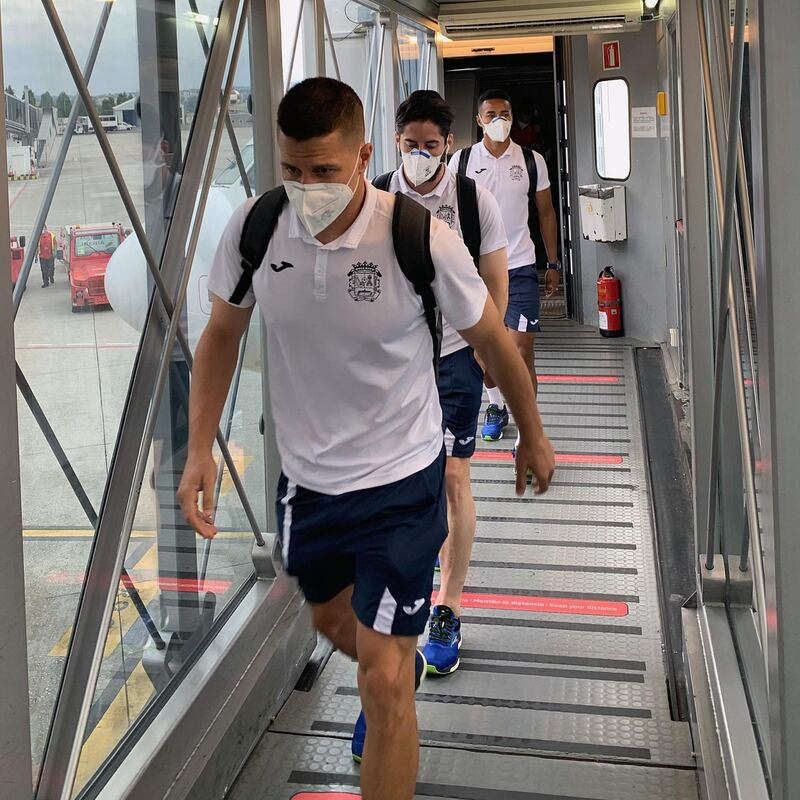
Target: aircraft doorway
x,y
530,79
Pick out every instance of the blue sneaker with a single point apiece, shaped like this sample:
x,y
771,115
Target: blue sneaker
x,y
360,729
444,642
496,419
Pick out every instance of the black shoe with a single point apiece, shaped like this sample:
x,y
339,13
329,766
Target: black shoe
x,y
45,285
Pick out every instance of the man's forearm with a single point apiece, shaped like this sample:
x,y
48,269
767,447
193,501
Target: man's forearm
x,y
214,364
549,230
498,290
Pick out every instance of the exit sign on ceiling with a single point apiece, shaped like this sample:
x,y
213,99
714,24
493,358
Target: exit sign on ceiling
x,y
611,58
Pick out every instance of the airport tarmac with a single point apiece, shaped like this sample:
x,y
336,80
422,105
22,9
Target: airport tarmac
x,y
79,367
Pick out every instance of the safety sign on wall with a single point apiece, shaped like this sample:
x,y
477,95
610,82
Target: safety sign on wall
x,y
611,59
643,122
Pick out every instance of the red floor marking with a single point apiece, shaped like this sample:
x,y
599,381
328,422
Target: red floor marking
x,y
577,378
193,586
218,586
328,795
545,605
561,458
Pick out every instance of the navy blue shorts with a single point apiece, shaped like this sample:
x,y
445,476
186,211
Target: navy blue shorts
x,y
523,300
460,392
382,541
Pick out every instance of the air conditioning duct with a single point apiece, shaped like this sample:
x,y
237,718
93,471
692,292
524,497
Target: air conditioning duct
x,y
502,18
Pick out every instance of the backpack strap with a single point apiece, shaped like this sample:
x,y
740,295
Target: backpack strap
x,y
533,178
411,233
383,182
256,234
463,161
468,214
533,172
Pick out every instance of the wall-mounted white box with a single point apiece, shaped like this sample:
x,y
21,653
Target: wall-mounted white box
x,y
603,217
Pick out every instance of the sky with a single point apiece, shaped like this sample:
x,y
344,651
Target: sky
x,y
31,55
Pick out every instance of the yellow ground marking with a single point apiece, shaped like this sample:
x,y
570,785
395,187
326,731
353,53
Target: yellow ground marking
x,y
124,709
76,533
240,461
126,614
88,533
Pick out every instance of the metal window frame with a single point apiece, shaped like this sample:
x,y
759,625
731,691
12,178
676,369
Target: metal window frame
x,y
15,733
313,18
62,750
774,28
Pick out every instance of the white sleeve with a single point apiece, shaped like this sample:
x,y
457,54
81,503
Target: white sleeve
x,y
227,267
493,231
459,289
542,178
452,165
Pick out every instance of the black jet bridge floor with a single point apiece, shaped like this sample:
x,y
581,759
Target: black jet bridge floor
x,y
561,693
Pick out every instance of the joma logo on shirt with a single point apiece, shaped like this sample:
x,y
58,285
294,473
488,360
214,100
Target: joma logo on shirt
x,y
516,173
364,282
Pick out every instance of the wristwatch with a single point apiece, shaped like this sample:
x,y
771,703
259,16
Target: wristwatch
x,y
554,265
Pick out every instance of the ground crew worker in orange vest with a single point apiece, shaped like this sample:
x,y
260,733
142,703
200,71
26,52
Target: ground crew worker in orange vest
x,y
47,252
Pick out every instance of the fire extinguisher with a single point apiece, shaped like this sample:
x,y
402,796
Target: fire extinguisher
x,y
609,303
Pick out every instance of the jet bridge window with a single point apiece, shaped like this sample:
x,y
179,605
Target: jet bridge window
x,y
612,129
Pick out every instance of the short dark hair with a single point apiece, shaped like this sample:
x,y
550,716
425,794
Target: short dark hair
x,y
493,94
428,106
318,107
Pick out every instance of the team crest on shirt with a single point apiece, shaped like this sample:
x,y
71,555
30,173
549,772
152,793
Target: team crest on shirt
x,y
447,214
364,282
516,173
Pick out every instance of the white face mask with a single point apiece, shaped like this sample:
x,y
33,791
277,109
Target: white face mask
x,y
498,129
319,205
420,166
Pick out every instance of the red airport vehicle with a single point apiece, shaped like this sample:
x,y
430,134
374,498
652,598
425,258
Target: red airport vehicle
x,y
17,257
87,250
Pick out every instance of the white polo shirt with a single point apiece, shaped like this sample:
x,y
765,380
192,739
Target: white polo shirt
x,y
353,393
507,179
442,202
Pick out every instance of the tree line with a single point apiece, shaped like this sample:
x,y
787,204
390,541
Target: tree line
x,y
63,102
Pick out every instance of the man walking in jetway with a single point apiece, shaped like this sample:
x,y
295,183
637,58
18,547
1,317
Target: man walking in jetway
x,y
518,179
423,124
47,255
361,500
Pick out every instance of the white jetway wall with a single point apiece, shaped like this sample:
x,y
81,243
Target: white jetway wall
x,y
641,260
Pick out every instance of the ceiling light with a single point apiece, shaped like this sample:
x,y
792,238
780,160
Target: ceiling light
x,y
650,5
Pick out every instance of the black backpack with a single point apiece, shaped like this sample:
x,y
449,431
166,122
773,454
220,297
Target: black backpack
x,y
533,177
411,234
468,214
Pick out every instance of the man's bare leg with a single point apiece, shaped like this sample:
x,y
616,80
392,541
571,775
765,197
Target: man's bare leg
x,y
525,345
386,684
337,621
457,549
